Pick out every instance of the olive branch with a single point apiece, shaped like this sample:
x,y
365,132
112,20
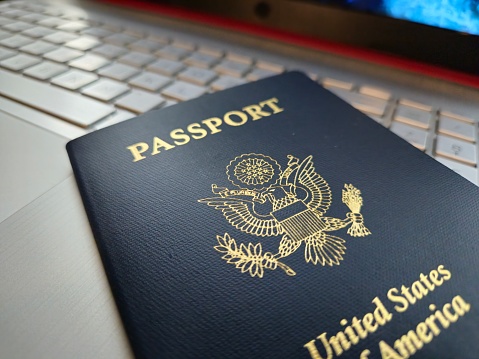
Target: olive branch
x,y
249,258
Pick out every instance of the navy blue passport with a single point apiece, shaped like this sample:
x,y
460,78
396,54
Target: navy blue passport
x,y
273,220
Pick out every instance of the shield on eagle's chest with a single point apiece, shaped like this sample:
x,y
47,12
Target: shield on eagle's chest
x,y
298,221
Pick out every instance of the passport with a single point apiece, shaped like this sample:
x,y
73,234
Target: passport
x,y
274,220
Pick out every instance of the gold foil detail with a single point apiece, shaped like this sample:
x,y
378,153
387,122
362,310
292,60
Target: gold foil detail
x,y
296,199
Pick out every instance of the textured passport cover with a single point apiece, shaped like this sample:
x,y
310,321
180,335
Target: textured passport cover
x,y
273,220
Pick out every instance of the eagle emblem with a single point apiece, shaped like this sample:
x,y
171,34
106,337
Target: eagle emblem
x,y
268,202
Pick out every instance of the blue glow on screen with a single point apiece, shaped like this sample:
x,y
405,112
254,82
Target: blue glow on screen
x,y
458,15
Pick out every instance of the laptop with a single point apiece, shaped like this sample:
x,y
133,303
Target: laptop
x,y
69,68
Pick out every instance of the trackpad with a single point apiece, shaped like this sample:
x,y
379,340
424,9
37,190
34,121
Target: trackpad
x,y
32,161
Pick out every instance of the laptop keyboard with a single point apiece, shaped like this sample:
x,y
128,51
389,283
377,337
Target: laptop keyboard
x,y
94,74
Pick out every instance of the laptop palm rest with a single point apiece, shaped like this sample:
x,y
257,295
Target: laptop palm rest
x,y
32,163
62,304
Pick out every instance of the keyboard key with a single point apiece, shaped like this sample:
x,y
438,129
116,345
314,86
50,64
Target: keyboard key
x,y
197,76
211,51
5,53
15,41
83,43
232,68
60,37
375,92
233,56
145,45
162,39
134,31
459,129
6,6
38,31
74,79
258,74
33,17
461,117
52,22
187,45
413,135
105,89
19,62
109,51
182,91
18,26
45,70
328,82
166,67
69,106
136,59
172,52
32,7
114,28
120,39
97,32
150,81
118,71
456,149
117,117
29,6
15,13
224,82
89,62
38,47
73,26
74,14
63,54
468,172
199,59
93,22
4,34
418,105
269,66
413,116
5,21
367,104
139,101
52,11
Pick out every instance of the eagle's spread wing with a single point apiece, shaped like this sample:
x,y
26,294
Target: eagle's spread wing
x,y
319,193
239,214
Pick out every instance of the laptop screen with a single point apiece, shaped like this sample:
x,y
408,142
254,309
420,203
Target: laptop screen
x,y
442,33
457,15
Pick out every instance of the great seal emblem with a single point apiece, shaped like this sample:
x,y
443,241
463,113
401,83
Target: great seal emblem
x,y
298,198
